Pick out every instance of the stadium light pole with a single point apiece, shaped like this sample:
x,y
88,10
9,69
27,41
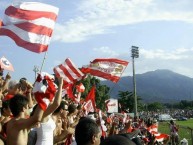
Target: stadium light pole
x,y
134,54
36,69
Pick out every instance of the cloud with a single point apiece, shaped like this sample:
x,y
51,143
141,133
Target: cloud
x,y
99,16
177,54
178,60
106,51
4,5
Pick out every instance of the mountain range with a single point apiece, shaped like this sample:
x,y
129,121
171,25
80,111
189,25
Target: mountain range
x,y
164,86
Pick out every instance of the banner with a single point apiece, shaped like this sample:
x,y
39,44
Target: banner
x,y
111,105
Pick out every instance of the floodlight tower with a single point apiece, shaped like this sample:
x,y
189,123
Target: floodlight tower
x,y
134,54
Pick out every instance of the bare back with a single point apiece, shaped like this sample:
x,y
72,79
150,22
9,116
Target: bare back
x,y
16,135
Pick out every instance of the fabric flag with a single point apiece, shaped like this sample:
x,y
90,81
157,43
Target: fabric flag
x,y
111,105
160,137
80,88
102,124
91,97
1,23
69,92
88,107
110,69
5,64
68,71
44,89
30,24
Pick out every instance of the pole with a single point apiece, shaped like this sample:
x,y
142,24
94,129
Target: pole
x,y
36,69
134,89
43,61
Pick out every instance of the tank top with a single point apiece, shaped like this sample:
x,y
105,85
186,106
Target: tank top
x,y
45,133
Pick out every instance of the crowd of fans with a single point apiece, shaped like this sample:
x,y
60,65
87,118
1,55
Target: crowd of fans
x,y
64,122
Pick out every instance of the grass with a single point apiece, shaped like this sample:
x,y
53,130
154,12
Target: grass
x,y
185,129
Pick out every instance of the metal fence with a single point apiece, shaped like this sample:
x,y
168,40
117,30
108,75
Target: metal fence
x,y
184,132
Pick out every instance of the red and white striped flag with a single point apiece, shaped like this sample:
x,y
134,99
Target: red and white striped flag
x,y
30,24
68,71
160,137
110,69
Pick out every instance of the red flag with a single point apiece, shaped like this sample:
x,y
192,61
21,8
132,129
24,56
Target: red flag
x,y
1,23
80,88
110,69
44,89
30,25
5,64
70,92
68,71
91,96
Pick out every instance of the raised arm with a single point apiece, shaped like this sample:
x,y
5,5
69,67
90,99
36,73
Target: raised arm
x,y
31,121
57,100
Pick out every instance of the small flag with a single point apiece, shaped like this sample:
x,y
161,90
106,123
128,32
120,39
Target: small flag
x,y
80,88
5,64
68,71
91,96
44,89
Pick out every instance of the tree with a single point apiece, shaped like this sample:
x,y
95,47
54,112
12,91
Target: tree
x,y
126,100
155,106
102,91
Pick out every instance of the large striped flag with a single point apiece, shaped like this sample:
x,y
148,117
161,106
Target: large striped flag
x,y
108,68
68,71
30,25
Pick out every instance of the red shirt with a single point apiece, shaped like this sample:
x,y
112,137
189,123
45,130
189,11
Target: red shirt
x,y
8,97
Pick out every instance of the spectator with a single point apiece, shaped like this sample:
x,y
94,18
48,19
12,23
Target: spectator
x,y
87,132
174,133
117,140
18,127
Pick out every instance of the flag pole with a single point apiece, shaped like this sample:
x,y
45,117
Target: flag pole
x,y
43,62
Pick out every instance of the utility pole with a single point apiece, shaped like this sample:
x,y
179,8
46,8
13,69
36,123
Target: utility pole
x,y
134,54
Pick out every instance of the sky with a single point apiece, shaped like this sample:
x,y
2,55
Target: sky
x,y
89,29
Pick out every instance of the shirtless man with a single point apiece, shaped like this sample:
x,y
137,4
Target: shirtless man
x,y
18,127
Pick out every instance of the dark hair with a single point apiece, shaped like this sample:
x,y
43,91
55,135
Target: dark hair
x,y
171,121
71,108
22,79
5,105
17,103
62,106
85,130
117,140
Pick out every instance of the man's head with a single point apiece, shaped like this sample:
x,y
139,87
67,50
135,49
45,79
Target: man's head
x,y
117,140
61,110
5,110
87,132
171,122
72,109
18,104
13,87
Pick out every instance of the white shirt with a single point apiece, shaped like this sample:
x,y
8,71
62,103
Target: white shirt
x,y
45,133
